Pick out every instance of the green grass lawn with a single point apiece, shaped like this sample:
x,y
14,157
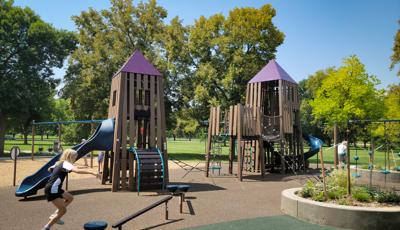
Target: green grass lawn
x,y
194,150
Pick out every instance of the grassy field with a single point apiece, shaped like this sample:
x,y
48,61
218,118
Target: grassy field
x,y
194,150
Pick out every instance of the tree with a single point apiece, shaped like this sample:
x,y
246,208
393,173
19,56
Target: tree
x,y
395,58
107,38
392,104
347,93
29,50
226,53
308,89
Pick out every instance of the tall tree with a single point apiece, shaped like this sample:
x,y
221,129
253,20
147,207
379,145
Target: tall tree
x,y
308,90
347,93
395,58
226,53
107,38
29,50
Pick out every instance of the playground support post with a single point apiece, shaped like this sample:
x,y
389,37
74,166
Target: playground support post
x,y
348,162
335,142
59,133
239,141
33,139
323,172
15,170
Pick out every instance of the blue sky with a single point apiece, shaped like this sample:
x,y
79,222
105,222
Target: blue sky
x,y
319,33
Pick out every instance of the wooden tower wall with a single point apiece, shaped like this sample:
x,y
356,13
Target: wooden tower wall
x,y
137,104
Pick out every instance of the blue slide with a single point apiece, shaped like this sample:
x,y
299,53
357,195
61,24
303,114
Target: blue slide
x,y
102,139
315,145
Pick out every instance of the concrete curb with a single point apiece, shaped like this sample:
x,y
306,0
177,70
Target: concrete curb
x,y
352,217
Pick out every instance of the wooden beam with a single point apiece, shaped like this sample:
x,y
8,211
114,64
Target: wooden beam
x,y
117,134
124,156
209,139
132,130
152,113
33,142
239,139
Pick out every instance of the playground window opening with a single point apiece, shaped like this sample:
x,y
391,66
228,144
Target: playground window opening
x,y
114,97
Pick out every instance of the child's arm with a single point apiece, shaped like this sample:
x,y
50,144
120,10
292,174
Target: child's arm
x,y
84,171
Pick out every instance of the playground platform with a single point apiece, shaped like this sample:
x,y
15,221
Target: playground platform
x,y
214,200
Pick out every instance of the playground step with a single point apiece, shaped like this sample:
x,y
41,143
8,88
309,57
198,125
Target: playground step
x,y
149,156
150,161
150,167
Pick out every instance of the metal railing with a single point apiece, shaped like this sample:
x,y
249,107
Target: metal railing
x,y
123,221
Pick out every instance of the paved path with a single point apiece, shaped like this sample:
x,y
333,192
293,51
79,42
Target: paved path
x,y
211,200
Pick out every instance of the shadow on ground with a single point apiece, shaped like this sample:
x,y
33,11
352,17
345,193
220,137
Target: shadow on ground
x,y
74,192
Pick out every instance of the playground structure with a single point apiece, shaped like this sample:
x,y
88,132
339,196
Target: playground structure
x,y
139,154
266,131
133,137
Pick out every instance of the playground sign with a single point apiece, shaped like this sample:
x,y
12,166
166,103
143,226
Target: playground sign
x,y
14,152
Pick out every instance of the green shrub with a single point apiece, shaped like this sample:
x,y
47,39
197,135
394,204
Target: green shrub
x,y
387,197
308,189
361,194
338,178
336,193
319,196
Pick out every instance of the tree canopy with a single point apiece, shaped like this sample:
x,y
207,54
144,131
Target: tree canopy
x,y
204,64
395,58
29,50
347,93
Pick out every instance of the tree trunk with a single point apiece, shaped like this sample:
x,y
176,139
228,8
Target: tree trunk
x,y
365,144
25,138
190,137
2,132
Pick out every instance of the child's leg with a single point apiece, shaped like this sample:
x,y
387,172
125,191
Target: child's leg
x,y
60,204
68,198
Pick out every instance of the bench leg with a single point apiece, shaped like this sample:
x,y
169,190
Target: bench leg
x,y
166,210
182,197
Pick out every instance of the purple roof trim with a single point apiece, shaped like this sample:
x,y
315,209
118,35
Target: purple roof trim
x,y
137,63
272,71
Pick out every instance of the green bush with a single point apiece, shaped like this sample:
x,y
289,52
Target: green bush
x,y
361,194
308,189
387,197
319,196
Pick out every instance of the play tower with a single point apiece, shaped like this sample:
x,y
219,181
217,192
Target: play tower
x,y
265,133
139,158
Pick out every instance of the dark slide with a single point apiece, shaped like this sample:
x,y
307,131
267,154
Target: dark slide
x,y
102,140
315,145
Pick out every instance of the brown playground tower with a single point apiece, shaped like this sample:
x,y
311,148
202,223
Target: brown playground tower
x,y
139,159
266,132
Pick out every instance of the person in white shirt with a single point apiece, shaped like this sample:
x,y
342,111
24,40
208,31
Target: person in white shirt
x,y
342,152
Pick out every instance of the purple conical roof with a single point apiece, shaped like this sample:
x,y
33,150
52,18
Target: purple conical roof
x,y
137,63
272,71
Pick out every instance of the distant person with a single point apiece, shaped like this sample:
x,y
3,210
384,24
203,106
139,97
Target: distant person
x,y
53,189
100,159
342,151
87,155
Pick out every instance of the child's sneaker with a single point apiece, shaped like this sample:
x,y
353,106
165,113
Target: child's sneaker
x,y
60,222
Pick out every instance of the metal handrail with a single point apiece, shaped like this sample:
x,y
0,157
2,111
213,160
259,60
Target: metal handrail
x,y
142,211
162,167
133,150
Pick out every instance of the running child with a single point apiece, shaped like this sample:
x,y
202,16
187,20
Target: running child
x,y
53,189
